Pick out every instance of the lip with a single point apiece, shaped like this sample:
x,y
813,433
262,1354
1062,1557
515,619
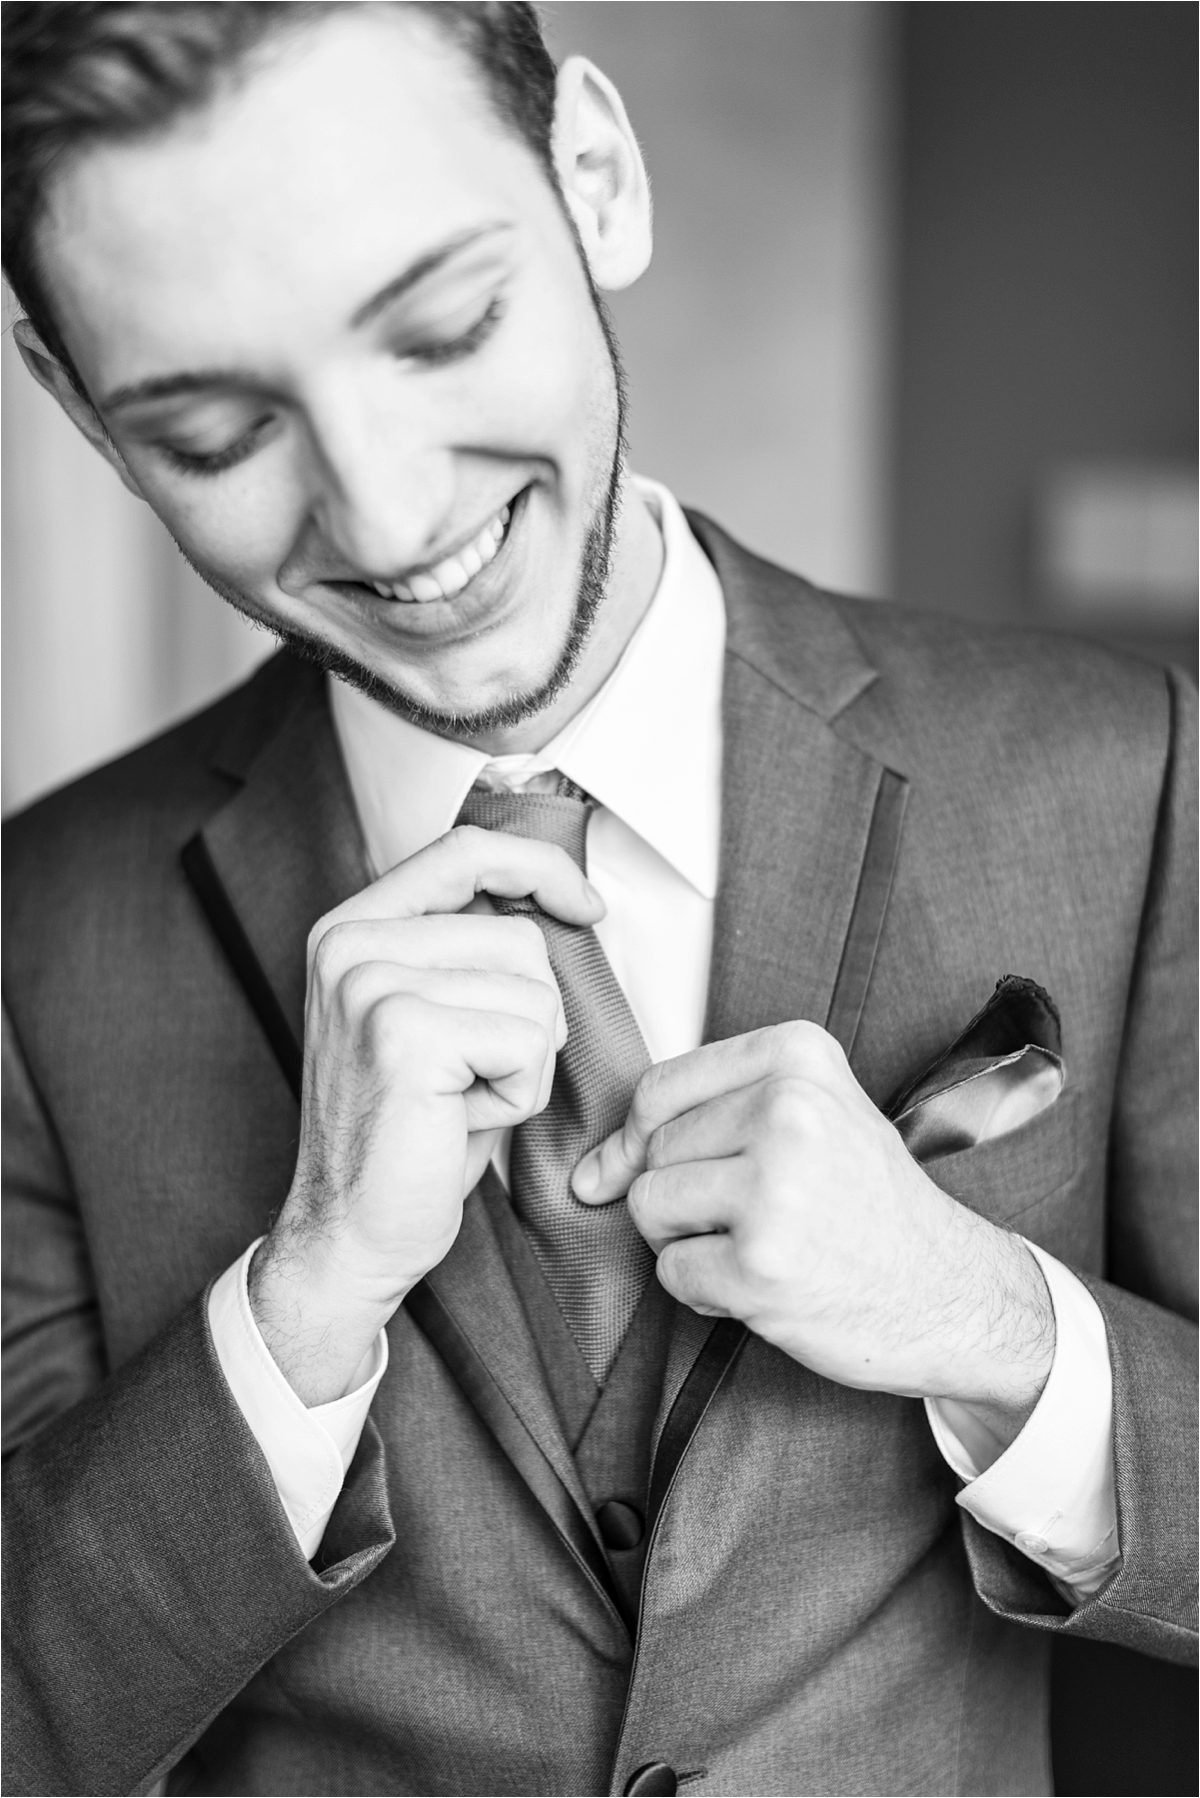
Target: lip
x,y
476,605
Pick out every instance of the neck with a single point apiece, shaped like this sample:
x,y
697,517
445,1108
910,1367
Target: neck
x,y
634,572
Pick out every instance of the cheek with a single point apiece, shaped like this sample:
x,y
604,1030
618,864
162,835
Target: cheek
x,y
551,373
239,526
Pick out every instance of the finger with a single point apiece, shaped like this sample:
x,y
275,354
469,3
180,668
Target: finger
x,y
513,1062
366,983
448,874
510,995
664,1092
701,1273
456,940
730,1123
494,1059
670,1088
689,1200
513,946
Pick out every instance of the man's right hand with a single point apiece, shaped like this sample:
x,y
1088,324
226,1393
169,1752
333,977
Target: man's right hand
x,y
429,1028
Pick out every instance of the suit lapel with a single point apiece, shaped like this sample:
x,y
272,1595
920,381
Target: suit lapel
x,y
810,834
810,822
287,847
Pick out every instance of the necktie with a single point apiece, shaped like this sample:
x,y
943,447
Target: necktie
x,y
594,1261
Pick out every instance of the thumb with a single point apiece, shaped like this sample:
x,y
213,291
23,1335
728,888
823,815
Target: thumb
x,y
610,1169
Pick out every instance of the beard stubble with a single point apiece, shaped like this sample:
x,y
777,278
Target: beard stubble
x,y
591,588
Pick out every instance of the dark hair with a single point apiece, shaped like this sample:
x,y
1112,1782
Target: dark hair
x,y
78,73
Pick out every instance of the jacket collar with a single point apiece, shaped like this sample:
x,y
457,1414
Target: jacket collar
x,y
788,631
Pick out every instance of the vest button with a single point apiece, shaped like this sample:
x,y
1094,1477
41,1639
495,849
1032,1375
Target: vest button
x,y
621,1526
656,1780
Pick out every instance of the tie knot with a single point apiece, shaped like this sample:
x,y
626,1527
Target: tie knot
x,y
559,817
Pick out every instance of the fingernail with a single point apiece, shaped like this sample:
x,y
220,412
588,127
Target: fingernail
x,y
586,1178
592,893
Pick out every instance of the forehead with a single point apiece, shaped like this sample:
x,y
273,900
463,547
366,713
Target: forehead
x,y
351,150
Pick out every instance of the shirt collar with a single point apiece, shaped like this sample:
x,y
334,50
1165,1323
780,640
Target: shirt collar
x,y
647,745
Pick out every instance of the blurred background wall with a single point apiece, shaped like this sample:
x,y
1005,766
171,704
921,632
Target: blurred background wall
x,y
108,634
1043,462
921,323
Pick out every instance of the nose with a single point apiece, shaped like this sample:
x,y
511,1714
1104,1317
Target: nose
x,y
384,483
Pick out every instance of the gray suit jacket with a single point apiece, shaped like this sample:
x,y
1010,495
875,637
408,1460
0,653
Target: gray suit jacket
x,y
912,809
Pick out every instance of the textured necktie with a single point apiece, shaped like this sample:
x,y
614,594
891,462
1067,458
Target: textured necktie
x,y
594,1261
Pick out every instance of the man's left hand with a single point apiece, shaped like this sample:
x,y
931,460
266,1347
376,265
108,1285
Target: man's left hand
x,y
773,1190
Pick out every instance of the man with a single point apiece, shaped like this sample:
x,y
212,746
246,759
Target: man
x,y
358,1447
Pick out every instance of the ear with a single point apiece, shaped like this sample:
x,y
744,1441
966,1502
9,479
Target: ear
x,y
49,372
602,175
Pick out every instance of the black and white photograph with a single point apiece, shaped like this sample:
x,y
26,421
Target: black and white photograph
x,y
600,897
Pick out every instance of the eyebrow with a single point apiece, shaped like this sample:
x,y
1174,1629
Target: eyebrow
x,y
422,267
160,387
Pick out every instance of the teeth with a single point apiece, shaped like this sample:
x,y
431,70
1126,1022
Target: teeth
x,y
425,586
447,578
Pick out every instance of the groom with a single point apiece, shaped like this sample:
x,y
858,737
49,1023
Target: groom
x,y
474,1325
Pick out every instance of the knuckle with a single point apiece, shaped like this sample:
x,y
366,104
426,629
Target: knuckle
x,y
528,1041
533,1034
356,987
657,1148
799,1041
758,1258
327,945
527,936
393,1025
644,1106
640,1197
787,1105
465,839
807,1045
546,1000
677,1269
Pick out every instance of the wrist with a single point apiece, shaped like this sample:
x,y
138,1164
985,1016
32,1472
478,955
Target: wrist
x,y
318,1313
1002,1375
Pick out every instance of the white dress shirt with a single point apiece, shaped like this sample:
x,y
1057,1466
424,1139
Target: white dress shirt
x,y
647,747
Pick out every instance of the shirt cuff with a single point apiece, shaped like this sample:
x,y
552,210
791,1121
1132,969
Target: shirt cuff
x,y
308,1450
1050,1493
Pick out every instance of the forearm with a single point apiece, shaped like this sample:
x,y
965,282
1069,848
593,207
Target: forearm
x,y
150,1571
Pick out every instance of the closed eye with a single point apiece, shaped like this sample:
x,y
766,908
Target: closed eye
x,y
436,353
210,462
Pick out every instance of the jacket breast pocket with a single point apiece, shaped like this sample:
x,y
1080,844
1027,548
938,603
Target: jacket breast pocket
x,y
1003,1177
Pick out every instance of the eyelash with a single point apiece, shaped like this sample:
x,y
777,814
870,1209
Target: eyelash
x,y
438,354
435,356
223,459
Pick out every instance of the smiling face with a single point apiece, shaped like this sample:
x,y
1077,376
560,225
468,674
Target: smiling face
x,y
340,336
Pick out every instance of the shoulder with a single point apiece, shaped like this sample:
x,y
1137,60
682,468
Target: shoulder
x,y
951,696
1023,708
138,811
1020,681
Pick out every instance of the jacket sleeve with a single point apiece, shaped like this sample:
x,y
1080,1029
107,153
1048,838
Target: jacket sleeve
x,y
150,1570
1148,1300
